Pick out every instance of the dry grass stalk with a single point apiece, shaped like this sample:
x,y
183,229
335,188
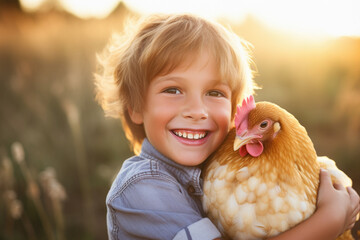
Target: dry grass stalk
x,y
56,192
14,205
73,117
32,188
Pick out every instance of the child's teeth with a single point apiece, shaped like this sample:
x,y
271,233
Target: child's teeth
x,y
190,135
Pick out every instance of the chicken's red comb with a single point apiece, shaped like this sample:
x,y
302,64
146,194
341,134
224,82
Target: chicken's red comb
x,y
241,120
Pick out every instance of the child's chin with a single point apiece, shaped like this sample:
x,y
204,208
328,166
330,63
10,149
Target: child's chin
x,y
190,159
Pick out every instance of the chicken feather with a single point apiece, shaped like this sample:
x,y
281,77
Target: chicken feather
x,y
267,187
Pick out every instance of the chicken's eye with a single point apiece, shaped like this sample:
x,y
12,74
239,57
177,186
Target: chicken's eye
x,y
264,124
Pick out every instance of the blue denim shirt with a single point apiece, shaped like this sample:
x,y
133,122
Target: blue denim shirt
x,y
153,197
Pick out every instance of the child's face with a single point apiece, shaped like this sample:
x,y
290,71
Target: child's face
x,y
187,112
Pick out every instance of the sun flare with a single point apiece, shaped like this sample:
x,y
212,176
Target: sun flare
x,y
307,17
90,8
31,5
320,17
330,17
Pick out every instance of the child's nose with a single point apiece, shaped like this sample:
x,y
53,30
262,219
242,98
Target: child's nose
x,y
195,109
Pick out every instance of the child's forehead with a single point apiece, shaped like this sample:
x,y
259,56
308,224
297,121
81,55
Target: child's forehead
x,y
201,59
197,60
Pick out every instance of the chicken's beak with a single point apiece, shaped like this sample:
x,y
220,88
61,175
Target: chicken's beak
x,y
245,138
241,141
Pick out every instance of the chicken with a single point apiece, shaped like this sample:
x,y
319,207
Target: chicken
x,y
264,178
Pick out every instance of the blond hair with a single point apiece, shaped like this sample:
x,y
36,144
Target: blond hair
x,y
158,45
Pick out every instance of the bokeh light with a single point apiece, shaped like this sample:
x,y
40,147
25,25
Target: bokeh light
x,y
90,8
31,5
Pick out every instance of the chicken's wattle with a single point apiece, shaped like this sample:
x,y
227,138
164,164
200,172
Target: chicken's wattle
x,y
254,148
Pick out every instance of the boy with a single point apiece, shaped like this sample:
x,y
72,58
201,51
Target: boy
x,y
175,84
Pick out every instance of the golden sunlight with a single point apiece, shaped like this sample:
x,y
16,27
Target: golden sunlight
x,y
90,8
321,17
314,18
306,17
31,5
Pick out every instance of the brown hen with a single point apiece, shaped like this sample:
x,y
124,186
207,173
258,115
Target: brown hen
x,y
271,183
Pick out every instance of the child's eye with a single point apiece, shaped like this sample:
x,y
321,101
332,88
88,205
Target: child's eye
x,y
215,93
172,91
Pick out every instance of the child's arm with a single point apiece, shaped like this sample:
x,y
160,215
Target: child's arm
x,y
154,206
336,212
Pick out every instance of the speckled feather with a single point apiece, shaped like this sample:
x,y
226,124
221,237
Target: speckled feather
x,y
256,198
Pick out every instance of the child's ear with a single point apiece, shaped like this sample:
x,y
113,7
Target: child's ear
x,y
135,116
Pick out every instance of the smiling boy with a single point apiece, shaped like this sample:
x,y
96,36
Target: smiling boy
x,y
174,83
187,112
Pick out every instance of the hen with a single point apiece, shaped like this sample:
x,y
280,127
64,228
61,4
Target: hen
x,y
271,183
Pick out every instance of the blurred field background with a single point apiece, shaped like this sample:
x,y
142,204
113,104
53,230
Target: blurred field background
x,y
59,154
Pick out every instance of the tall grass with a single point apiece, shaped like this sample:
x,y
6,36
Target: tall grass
x,y
51,191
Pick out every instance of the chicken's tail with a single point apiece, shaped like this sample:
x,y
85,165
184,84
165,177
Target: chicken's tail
x,y
337,176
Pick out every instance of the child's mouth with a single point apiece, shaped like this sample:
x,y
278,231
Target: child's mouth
x,y
192,135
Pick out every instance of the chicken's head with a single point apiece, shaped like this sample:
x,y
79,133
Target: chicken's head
x,y
255,124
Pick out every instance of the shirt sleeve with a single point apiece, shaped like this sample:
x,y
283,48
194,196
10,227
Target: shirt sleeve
x,y
202,229
156,208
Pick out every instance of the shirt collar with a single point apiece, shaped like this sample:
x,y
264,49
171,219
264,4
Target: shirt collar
x,y
188,176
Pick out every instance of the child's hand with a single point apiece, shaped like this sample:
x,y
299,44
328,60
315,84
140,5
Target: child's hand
x,y
342,205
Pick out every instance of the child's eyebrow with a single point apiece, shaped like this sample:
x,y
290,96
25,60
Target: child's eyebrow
x,y
166,78
220,83
169,77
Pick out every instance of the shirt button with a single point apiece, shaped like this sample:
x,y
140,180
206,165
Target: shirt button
x,y
191,189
